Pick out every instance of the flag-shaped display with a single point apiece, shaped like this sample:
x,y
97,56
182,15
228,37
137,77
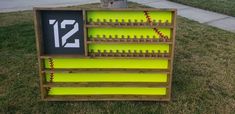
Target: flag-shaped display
x,y
101,54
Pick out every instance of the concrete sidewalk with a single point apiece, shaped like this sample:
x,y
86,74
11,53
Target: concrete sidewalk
x,y
20,5
218,20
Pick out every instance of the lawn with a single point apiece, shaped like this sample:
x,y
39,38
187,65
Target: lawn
x,y
221,6
203,79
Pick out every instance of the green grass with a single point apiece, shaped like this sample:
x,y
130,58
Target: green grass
x,y
221,6
203,79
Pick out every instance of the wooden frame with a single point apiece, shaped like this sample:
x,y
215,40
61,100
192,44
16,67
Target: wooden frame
x,y
41,56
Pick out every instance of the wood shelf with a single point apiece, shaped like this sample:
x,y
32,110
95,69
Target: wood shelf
x,y
115,23
62,56
106,84
99,56
126,26
117,70
122,42
111,57
129,40
129,54
107,97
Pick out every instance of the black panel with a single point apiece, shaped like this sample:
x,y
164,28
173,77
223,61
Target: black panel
x,y
57,17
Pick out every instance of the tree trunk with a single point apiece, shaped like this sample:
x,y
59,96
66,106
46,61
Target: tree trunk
x,y
113,3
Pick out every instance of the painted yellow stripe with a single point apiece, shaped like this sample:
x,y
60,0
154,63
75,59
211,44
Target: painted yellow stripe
x,y
108,63
138,32
120,47
126,15
107,77
106,91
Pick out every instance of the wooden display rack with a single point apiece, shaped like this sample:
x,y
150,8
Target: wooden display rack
x,y
117,65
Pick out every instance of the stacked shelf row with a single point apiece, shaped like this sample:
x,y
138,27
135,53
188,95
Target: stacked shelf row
x,y
128,55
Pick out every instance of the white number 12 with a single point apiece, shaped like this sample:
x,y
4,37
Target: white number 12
x,y
64,38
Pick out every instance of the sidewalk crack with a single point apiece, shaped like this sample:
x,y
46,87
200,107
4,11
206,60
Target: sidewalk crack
x,y
208,22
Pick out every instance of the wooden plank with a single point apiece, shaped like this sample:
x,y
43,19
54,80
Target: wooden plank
x,y
85,33
107,77
172,54
165,71
76,63
38,33
104,57
128,26
106,84
108,91
99,42
108,98
131,33
104,9
130,9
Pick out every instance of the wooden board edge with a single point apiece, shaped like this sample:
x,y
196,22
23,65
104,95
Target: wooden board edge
x,y
108,98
